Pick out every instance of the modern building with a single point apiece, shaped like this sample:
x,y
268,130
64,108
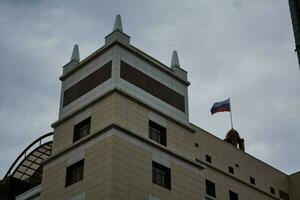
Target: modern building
x,y
123,132
295,15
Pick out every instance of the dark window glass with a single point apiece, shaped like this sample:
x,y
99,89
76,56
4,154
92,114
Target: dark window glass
x,y
210,188
157,133
82,129
231,170
208,158
152,86
196,144
272,190
161,175
87,84
233,195
252,180
284,195
74,173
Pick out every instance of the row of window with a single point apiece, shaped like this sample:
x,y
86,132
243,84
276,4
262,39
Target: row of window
x,y
211,191
251,179
160,174
230,169
157,132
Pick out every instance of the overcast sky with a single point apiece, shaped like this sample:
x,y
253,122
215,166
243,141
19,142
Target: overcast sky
x,y
243,49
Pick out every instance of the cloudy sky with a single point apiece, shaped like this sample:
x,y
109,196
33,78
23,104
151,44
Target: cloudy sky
x,y
243,49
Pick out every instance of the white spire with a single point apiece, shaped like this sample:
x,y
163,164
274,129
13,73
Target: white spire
x,y
175,60
75,55
118,24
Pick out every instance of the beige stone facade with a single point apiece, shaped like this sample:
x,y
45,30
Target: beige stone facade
x,y
119,154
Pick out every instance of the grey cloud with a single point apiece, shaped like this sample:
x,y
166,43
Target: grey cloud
x,y
242,50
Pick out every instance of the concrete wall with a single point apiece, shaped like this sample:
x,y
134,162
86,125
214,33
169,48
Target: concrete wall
x,y
96,184
295,185
132,173
225,155
116,54
132,116
118,166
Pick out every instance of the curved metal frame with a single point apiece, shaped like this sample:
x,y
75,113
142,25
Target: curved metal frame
x,y
39,140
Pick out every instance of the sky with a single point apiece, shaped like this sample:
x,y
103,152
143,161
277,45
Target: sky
x,y
242,49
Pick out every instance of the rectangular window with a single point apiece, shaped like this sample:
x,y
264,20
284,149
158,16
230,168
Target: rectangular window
x,y
157,133
87,84
233,195
74,173
284,195
208,158
231,170
252,180
152,86
210,188
161,175
272,190
82,129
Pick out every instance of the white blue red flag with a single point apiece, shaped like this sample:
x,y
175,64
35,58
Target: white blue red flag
x,y
222,106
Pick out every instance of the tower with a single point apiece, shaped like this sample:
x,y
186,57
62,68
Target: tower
x,y
119,108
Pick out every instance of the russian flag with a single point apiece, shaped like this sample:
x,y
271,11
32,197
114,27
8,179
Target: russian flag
x,y
222,106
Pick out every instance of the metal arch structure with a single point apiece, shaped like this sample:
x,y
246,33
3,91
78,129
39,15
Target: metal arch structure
x,y
28,165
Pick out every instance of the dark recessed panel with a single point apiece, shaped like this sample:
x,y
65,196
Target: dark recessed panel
x,y
155,88
87,84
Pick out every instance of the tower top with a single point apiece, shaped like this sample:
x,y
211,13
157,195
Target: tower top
x,y
118,24
75,54
233,137
175,60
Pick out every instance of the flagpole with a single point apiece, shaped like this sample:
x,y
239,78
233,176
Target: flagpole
x,y
230,114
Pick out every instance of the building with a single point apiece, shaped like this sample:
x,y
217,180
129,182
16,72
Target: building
x,y
123,132
295,15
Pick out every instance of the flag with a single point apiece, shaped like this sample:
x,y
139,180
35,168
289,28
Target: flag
x,y
222,106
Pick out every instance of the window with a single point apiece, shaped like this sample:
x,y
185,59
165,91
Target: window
x,y
231,170
196,144
233,195
82,129
284,195
74,173
208,158
210,188
157,133
272,190
252,180
161,175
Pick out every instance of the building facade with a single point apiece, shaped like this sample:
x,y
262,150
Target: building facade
x,y
123,132
295,16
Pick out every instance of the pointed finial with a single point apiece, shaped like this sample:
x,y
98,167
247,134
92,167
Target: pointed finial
x,y
175,60
75,55
118,24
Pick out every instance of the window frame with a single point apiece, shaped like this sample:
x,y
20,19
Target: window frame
x,y
208,158
74,173
157,133
84,125
231,170
233,195
252,180
272,190
284,195
161,175
209,183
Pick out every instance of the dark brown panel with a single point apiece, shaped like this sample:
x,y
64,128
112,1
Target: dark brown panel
x,y
152,86
87,84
